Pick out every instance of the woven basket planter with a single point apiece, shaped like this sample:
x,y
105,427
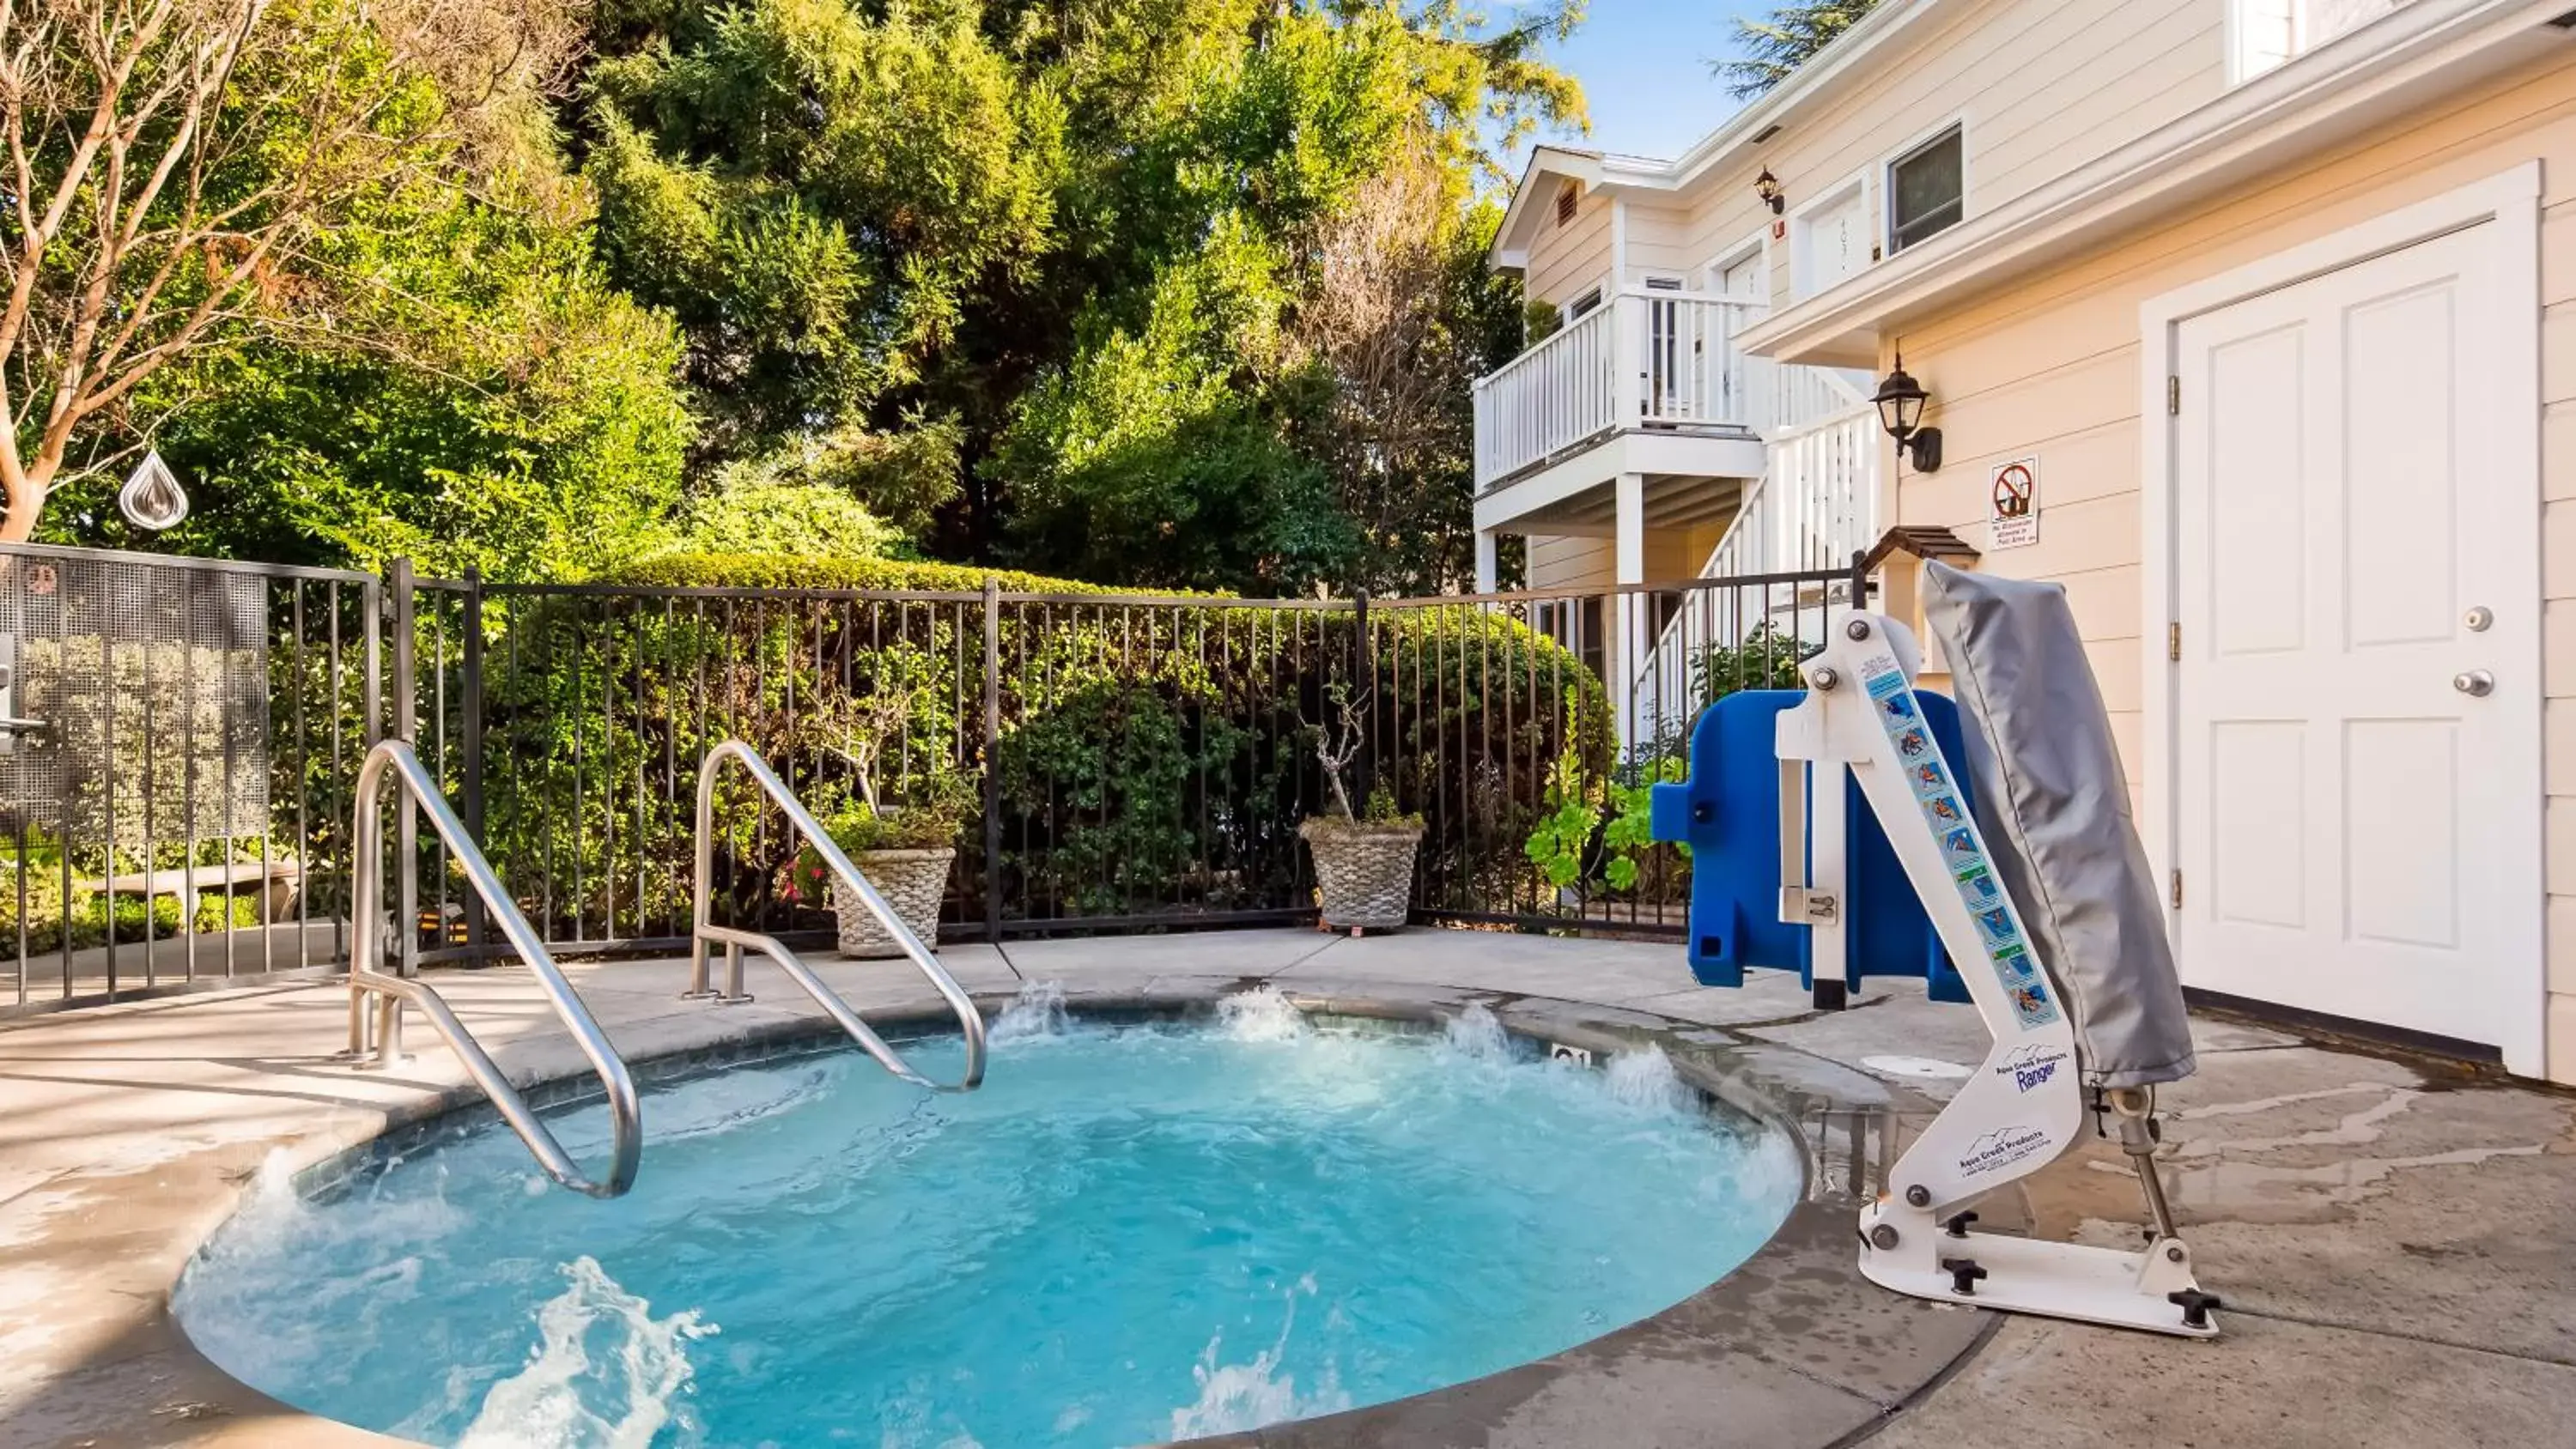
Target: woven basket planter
x,y
912,881
1365,872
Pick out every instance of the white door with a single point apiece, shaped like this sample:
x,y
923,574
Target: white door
x,y
2358,836
1833,241
1747,277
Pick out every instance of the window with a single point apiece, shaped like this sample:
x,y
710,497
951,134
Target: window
x,y
1927,190
1583,306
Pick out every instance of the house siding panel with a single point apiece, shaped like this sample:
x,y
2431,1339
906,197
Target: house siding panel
x,y
2113,69
1559,562
2053,367
1659,242
1565,260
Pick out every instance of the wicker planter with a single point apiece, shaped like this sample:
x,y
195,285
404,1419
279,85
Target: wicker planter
x,y
912,881
1365,872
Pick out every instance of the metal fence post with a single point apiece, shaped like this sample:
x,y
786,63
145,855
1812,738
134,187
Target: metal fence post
x,y
471,702
1860,581
398,582
992,764
1364,694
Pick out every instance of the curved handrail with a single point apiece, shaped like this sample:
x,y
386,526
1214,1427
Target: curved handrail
x,y
704,932
366,956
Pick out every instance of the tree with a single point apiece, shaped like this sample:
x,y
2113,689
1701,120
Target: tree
x,y
1399,319
1779,45
1067,242
176,168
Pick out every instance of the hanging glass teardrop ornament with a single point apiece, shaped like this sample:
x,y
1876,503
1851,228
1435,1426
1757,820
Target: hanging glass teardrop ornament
x,y
152,498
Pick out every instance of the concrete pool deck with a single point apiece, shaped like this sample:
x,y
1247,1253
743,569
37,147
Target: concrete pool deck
x,y
2390,1235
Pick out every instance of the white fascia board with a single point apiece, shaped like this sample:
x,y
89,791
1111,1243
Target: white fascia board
x,y
2362,80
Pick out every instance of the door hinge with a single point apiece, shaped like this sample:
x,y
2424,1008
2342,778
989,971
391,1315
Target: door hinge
x,y
2177,889
2173,396
2173,642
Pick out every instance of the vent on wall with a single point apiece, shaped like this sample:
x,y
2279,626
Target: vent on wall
x,y
1566,197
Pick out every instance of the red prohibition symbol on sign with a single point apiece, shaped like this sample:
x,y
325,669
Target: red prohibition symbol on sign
x,y
2012,491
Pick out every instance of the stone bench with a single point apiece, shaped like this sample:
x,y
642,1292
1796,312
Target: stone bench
x,y
279,883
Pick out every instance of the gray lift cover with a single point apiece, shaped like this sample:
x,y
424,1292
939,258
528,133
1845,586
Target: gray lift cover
x,y
2054,806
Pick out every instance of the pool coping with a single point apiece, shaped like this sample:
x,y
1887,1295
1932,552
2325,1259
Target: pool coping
x,y
1794,1349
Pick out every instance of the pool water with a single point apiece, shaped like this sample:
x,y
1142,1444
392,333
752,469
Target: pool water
x,y
1132,1233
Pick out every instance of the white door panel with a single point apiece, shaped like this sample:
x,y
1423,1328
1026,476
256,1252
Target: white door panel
x,y
2339,510
1834,242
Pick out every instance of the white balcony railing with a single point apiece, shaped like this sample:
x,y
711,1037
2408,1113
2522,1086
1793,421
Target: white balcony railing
x,y
1643,359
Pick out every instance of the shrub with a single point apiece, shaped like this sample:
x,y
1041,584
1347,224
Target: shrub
x,y
1153,752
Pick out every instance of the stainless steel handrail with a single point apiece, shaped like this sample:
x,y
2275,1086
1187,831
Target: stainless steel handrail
x,y
366,978
704,932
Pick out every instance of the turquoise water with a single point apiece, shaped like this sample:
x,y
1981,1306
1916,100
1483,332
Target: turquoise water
x,y
1132,1233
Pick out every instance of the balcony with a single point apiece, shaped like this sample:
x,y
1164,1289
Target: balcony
x,y
1663,362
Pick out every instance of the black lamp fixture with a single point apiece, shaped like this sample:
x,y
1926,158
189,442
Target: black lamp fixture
x,y
1767,186
1900,402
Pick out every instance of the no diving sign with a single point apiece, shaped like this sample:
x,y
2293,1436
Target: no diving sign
x,y
2016,505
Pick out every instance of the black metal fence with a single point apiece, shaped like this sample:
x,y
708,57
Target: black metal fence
x,y
1110,762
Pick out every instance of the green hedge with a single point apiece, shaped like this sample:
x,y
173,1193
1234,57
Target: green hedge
x,y
1153,757
780,571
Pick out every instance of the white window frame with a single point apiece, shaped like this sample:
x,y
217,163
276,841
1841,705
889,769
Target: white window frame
x,y
1598,292
1802,265
1957,121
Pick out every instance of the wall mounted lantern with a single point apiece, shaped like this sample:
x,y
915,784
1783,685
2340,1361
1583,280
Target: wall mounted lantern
x,y
1767,186
1900,402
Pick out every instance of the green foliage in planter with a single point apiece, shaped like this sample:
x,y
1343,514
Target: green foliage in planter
x,y
932,818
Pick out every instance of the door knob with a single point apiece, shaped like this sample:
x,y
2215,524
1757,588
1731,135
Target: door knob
x,y
2476,683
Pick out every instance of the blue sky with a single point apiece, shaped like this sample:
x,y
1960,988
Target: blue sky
x,y
1644,67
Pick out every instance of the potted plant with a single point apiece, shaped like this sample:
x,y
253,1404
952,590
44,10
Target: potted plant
x,y
1364,857
904,850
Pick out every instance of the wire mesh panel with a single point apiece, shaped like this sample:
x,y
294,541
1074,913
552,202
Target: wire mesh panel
x,y
172,796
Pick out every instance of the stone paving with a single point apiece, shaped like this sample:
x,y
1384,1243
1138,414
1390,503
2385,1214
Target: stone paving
x,y
2390,1235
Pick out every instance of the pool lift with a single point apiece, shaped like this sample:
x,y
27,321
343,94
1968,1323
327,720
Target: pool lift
x,y
2034,884
378,996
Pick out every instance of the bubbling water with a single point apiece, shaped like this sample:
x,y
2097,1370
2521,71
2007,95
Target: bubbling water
x,y
1036,1013
1261,1015
1644,1078
618,1397
1477,1035
1129,1232
1236,1398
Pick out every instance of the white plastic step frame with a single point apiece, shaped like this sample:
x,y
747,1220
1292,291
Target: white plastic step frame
x,y
2024,1107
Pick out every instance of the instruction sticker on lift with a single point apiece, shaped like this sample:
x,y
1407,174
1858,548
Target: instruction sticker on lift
x,y
1961,850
